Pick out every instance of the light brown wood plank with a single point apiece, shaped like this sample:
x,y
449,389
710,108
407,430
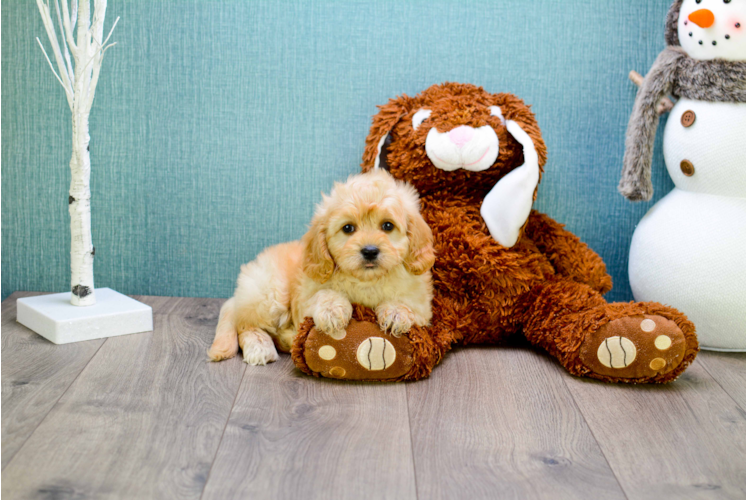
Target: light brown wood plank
x,y
294,436
681,440
143,420
35,373
728,369
500,423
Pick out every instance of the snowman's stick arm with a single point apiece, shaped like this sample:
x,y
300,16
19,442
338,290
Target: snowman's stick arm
x,y
665,104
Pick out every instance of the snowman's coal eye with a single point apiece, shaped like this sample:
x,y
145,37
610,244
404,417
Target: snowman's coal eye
x,y
727,1
420,116
698,1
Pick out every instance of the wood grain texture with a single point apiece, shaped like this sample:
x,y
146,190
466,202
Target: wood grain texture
x,y
143,420
146,416
685,439
35,373
499,423
728,369
161,305
294,436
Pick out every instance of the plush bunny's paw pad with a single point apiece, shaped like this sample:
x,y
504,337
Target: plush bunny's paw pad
x,y
364,353
634,347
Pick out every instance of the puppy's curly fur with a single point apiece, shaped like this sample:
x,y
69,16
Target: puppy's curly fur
x,y
367,244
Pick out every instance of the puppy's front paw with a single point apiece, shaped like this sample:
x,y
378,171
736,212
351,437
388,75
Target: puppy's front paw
x,y
257,348
260,355
395,318
332,318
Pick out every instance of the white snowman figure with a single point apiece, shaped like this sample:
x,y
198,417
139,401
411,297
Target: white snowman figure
x,y
689,250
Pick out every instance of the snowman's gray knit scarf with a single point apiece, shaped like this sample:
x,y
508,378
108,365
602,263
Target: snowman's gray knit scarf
x,y
672,73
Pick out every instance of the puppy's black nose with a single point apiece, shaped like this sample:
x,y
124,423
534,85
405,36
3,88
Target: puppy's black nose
x,y
370,252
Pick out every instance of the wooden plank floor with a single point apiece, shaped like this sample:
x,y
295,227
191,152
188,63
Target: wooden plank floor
x,y
146,416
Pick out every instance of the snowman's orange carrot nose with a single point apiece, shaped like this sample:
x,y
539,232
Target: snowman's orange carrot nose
x,y
703,18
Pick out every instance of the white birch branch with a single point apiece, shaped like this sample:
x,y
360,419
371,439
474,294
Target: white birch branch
x,y
69,24
74,15
49,27
79,78
67,92
65,51
110,31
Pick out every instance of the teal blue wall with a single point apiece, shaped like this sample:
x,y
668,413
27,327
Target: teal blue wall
x,y
217,124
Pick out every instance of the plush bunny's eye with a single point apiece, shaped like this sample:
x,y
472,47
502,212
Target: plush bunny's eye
x,y
420,117
496,111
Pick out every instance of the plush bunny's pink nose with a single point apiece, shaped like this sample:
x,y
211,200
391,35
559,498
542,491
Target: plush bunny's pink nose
x,y
461,135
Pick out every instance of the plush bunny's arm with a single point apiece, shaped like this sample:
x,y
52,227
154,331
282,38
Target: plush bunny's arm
x,y
506,207
570,257
636,182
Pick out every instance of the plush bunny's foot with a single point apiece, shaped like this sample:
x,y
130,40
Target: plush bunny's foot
x,y
368,353
624,342
635,347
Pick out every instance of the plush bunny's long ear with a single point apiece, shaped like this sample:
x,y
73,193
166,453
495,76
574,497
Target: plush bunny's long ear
x,y
375,153
507,206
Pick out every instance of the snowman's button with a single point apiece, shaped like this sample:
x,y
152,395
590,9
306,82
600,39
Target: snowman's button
x,y
687,168
688,118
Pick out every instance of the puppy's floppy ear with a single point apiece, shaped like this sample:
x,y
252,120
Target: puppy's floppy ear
x,y
421,241
375,153
317,261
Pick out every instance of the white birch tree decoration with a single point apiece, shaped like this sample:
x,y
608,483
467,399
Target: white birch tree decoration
x,y
78,77
110,313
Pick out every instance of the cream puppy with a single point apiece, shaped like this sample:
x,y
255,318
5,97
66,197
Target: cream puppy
x,y
367,244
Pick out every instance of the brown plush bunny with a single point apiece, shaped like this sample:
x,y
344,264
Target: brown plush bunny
x,y
502,269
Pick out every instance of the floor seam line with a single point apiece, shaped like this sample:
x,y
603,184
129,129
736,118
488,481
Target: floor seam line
x,y
223,432
708,372
597,441
55,404
410,434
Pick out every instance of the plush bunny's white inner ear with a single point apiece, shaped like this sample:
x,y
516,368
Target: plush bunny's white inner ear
x,y
377,160
496,111
507,206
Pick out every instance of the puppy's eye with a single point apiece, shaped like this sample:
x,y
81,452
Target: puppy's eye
x,y
420,117
387,227
349,228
